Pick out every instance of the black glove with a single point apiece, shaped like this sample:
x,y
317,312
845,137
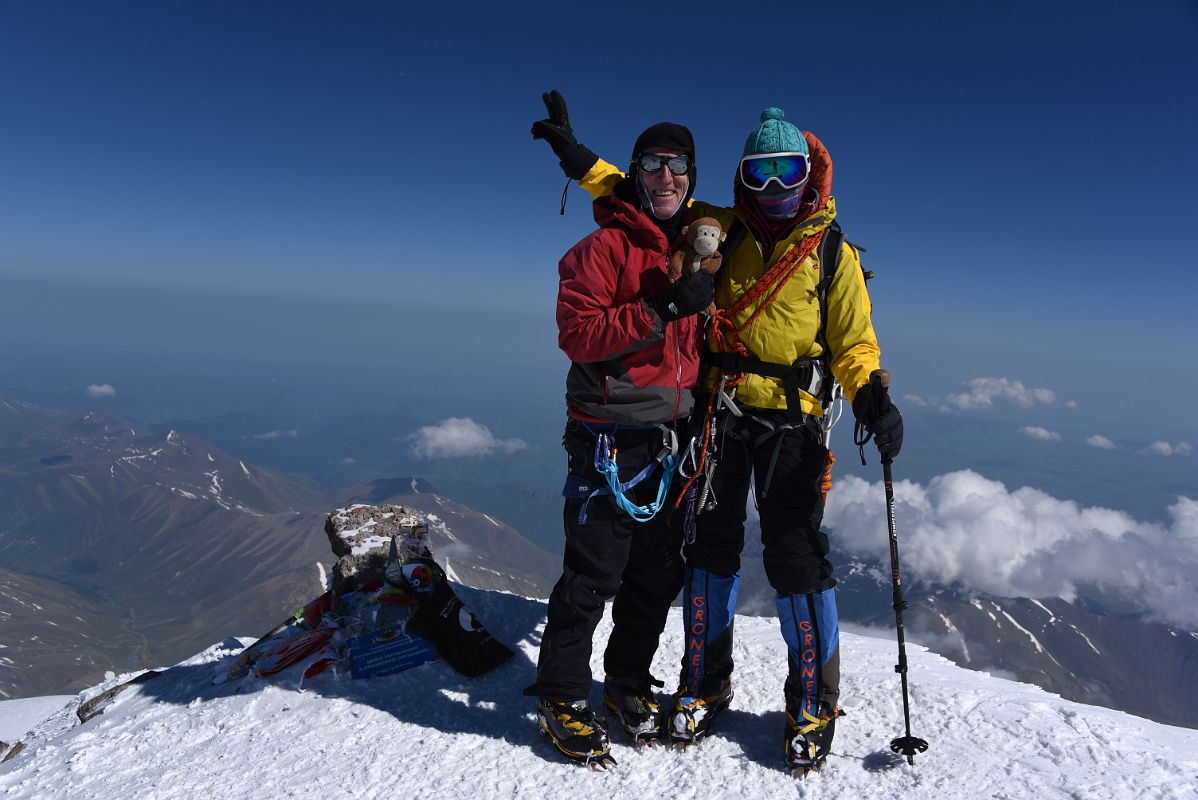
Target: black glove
x,y
879,418
576,160
684,297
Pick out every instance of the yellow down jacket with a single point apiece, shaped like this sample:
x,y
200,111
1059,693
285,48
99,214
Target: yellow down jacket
x,y
788,328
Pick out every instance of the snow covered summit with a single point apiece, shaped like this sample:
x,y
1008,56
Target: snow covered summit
x,y
431,733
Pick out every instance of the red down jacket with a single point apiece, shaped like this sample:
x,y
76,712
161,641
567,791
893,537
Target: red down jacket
x,y
628,366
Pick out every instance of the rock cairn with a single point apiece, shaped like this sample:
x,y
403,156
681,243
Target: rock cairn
x,y
361,538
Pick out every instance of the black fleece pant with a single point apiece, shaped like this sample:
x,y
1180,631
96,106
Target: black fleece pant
x,y
610,555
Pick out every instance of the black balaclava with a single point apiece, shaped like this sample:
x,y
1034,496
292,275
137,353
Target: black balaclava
x,y
670,136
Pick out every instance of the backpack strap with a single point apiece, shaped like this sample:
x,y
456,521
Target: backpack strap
x,y
736,235
829,259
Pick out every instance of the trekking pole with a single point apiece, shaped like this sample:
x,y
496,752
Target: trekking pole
x,y
906,745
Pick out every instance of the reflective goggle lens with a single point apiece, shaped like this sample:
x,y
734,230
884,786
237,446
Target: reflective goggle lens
x,y
679,165
788,170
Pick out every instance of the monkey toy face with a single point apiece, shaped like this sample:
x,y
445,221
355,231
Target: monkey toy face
x,y
706,238
701,250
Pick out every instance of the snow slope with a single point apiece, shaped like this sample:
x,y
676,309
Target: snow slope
x,y
430,733
18,716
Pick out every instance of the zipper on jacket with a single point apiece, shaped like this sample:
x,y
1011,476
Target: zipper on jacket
x,y
677,377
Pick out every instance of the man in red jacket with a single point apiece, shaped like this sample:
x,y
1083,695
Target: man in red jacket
x,y
633,337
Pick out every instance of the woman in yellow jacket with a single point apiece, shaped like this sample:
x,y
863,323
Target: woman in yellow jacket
x,y
775,346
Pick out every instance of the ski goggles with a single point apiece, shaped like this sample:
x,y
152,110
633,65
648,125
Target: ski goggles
x,y
650,162
788,170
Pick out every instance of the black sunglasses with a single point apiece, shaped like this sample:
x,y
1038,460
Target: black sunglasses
x,y
679,165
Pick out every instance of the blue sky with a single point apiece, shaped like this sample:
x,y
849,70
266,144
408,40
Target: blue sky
x,y
1022,173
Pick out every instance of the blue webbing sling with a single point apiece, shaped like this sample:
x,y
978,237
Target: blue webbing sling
x,y
605,465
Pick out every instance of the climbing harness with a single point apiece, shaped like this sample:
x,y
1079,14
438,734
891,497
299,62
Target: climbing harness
x,y
604,461
723,330
810,375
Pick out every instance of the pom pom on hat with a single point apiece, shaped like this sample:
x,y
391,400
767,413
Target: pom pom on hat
x,y
775,135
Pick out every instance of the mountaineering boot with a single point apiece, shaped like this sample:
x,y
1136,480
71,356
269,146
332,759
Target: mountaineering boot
x,y
575,731
635,706
809,738
692,717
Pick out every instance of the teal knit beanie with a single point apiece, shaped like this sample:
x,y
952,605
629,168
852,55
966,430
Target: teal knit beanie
x,y
775,135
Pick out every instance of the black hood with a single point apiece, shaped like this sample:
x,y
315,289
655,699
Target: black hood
x,y
668,135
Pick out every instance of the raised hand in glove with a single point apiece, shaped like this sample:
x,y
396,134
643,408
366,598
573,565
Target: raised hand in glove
x,y
684,297
878,417
576,159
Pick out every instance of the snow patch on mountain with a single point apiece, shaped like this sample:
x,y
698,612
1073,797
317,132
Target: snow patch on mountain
x,y
439,525
952,629
1087,638
1051,616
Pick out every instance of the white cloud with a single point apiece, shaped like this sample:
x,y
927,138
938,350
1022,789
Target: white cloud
x,y
101,390
1042,434
291,434
1071,404
1167,449
460,437
1101,442
982,392
914,400
349,462
962,527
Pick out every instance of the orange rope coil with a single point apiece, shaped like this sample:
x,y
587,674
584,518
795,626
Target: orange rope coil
x,y
722,329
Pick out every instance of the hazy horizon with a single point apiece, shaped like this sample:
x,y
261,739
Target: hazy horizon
x,y
316,231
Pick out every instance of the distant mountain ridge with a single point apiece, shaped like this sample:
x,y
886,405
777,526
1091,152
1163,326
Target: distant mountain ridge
x,y
1121,661
1083,653
162,541
48,628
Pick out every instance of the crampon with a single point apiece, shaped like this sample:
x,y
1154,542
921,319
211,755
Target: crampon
x,y
576,733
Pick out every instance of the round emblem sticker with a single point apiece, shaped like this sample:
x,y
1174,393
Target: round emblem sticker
x,y
418,577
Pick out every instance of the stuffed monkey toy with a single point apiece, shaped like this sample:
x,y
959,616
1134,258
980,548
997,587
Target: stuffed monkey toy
x,y
703,238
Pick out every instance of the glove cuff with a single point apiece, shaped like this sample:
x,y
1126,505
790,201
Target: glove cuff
x,y
659,322
577,161
863,403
